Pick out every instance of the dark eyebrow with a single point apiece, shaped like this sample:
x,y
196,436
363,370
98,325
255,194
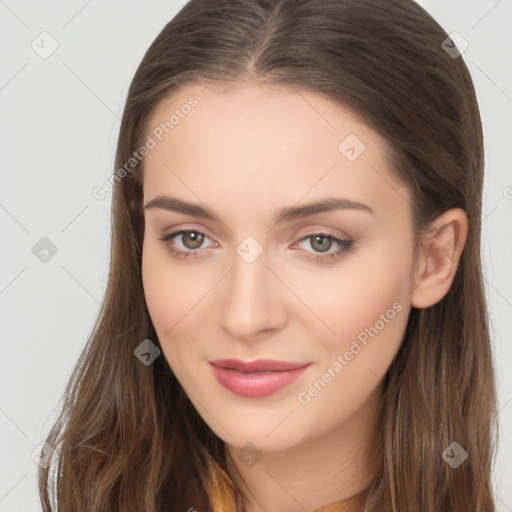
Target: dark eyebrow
x,y
287,214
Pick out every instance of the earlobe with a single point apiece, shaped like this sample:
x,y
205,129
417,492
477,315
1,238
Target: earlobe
x,y
439,258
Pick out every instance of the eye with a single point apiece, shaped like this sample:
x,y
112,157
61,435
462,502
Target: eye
x,y
191,240
322,242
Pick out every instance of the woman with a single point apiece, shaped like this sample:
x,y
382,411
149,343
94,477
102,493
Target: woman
x,y
235,366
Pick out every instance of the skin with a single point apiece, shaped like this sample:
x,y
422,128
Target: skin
x,y
244,153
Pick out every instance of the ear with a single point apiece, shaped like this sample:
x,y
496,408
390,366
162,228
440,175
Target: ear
x,y
438,258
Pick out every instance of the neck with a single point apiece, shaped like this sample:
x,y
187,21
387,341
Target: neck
x,y
338,466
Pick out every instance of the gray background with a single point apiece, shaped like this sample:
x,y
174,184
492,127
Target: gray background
x,y
58,127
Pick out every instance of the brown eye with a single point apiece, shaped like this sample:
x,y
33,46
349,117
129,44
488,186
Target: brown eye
x,y
186,243
192,239
321,243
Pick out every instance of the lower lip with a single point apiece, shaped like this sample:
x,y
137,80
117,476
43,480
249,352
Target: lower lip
x,y
254,385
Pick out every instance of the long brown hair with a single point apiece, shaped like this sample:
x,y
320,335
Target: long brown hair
x,y
128,436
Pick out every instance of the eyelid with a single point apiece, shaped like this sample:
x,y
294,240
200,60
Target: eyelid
x,y
174,230
318,229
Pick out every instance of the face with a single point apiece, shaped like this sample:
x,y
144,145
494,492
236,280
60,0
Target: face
x,y
249,273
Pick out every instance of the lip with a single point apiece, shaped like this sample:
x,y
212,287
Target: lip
x,y
259,378
259,365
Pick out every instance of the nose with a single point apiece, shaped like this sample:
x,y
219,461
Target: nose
x,y
253,299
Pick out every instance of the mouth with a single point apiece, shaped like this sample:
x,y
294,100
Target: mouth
x,y
256,379
259,365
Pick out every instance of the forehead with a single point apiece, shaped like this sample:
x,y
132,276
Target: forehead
x,y
253,141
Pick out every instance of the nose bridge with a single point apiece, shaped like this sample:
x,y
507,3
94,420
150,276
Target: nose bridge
x,y
251,298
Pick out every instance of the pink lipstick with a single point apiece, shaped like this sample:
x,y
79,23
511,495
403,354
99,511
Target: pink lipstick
x,y
254,379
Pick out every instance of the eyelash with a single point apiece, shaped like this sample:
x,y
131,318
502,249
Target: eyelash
x,y
347,246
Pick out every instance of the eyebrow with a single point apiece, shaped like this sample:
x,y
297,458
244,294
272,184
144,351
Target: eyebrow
x,y
287,214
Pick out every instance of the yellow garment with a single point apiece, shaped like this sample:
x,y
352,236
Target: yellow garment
x,y
223,495
354,504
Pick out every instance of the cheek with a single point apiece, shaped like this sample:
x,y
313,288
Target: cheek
x,y
366,300
368,313
174,299
170,293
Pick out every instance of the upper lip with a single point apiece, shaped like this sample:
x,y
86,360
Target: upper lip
x,y
259,365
